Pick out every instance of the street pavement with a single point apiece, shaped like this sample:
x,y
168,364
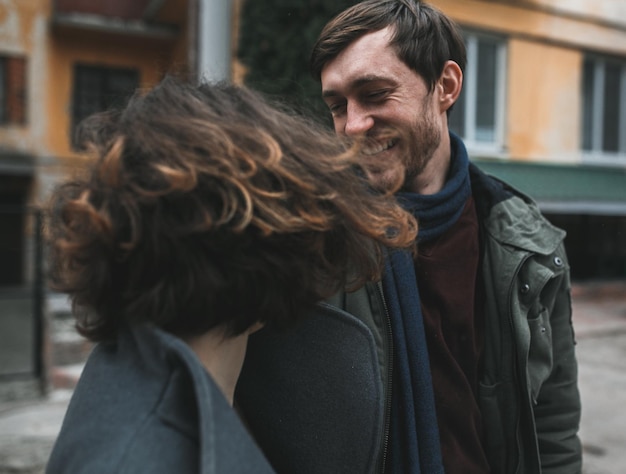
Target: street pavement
x,y
28,428
600,325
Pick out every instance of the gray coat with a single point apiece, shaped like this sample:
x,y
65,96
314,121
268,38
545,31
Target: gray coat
x,y
145,404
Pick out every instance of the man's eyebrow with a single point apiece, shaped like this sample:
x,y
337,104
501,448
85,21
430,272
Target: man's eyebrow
x,y
329,93
361,81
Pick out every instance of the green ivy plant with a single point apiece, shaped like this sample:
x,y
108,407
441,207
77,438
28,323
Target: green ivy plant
x,y
275,41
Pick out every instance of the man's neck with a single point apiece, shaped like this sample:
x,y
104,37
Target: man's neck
x,y
433,177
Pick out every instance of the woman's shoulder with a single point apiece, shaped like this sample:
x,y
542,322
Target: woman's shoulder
x,y
145,404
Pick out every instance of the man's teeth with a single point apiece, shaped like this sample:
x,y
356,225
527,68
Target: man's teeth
x,y
380,147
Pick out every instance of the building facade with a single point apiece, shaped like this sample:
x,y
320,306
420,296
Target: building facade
x,y
544,107
60,61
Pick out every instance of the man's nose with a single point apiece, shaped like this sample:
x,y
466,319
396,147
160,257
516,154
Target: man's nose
x,y
358,121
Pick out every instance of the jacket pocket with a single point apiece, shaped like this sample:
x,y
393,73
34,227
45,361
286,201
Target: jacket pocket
x,y
540,357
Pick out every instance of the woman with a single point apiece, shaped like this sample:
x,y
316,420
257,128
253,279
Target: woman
x,y
207,213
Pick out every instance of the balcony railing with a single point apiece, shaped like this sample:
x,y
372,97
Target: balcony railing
x,y
137,17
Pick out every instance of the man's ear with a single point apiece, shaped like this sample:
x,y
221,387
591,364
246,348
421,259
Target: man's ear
x,y
449,85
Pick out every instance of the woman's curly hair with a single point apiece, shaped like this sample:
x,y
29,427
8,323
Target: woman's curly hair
x,y
206,206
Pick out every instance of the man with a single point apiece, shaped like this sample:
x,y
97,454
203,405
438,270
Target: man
x,y
488,293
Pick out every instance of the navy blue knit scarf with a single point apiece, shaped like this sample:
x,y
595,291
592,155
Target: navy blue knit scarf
x,y
414,447
436,213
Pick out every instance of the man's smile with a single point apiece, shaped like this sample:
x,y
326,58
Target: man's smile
x,y
373,148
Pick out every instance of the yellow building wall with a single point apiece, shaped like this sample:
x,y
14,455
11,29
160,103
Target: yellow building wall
x,y
544,24
26,30
153,59
22,33
544,101
182,49
546,43
613,11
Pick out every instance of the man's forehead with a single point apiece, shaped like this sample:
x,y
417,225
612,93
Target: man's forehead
x,y
369,59
367,43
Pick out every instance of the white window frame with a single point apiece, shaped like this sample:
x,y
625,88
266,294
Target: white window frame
x,y
496,147
598,156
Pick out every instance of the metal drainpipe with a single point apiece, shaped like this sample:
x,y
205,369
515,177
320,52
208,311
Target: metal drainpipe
x,y
214,39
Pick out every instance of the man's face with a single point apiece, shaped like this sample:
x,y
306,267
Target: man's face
x,y
373,95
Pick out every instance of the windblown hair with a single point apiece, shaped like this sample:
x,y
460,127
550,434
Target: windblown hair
x,y
205,207
423,37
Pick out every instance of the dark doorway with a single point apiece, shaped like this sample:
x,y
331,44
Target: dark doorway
x,y
13,195
595,244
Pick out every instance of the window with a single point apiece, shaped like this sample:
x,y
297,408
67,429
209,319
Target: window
x,y
99,88
604,106
12,90
478,115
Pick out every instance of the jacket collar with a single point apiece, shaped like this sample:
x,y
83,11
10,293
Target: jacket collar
x,y
511,217
194,404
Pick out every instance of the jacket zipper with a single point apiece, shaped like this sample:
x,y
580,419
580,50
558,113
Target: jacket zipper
x,y
516,370
388,400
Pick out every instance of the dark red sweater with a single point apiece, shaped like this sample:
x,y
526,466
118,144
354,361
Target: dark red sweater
x,y
448,278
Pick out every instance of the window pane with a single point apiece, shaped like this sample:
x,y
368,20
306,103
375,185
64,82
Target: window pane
x,y
612,99
120,85
486,91
87,93
456,120
98,88
588,86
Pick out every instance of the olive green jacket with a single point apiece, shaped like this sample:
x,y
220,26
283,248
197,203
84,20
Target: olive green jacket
x,y
528,385
321,391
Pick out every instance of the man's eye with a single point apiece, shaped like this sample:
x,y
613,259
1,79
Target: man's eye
x,y
375,95
337,108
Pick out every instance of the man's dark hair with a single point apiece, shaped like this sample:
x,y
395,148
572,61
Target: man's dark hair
x,y
423,37
208,207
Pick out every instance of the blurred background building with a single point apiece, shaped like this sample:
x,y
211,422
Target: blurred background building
x,y
543,107
60,61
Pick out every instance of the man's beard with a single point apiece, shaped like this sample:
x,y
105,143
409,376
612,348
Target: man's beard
x,y
416,145
421,141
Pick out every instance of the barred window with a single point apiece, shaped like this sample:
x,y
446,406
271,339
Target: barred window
x,y
98,88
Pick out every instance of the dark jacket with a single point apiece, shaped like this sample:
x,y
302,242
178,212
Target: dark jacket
x,y
145,404
308,385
